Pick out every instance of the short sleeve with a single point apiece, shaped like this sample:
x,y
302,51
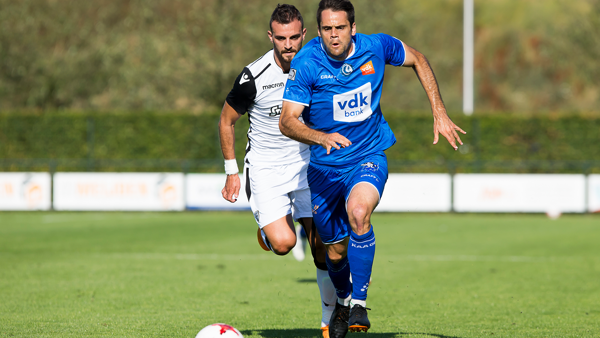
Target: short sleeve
x,y
393,48
298,88
243,93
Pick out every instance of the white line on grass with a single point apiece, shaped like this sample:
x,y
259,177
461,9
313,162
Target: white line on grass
x,y
194,257
412,258
476,258
83,218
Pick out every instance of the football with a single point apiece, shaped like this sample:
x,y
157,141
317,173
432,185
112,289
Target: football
x,y
219,331
553,213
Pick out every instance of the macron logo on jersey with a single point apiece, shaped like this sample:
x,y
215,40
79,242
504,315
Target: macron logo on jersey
x,y
353,106
245,78
274,85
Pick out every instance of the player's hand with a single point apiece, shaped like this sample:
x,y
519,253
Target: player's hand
x,y
334,140
232,188
442,124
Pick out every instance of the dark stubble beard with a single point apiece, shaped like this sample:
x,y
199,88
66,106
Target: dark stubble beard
x,y
283,58
344,53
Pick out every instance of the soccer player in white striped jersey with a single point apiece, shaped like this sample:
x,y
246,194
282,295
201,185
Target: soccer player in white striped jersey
x,y
274,165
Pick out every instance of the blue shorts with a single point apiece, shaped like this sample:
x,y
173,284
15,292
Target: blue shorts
x,y
330,188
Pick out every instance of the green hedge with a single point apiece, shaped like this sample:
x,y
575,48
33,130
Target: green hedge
x,y
173,142
113,138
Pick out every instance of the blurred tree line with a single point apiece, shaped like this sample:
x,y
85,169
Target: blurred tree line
x,y
183,55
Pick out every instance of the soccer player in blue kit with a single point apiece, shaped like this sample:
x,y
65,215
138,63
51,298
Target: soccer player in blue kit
x,y
335,84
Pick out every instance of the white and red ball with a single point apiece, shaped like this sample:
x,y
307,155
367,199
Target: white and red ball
x,y
219,331
553,213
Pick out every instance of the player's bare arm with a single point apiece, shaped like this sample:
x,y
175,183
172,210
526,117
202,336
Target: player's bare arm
x,y
441,121
227,137
291,127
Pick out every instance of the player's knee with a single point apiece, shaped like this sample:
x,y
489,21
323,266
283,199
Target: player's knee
x,y
283,245
282,249
335,257
359,214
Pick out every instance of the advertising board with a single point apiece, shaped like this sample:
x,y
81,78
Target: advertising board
x,y
203,192
519,193
119,191
416,193
25,191
594,193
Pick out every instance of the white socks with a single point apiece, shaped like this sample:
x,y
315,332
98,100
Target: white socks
x,y
362,303
328,296
345,302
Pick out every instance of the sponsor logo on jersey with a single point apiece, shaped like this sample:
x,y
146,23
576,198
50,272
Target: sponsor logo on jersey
x,y
347,69
367,68
292,75
274,85
353,106
370,176
371,166
275,111
358,246
327,77
315,208
245,78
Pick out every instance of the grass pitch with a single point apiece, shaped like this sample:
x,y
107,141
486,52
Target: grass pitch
x,y
170,274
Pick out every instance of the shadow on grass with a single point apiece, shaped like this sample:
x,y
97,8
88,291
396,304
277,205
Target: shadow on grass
x,y
307,280
312,333
404,334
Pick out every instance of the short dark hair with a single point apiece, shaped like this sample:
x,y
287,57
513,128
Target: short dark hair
x,y
285,14
336,6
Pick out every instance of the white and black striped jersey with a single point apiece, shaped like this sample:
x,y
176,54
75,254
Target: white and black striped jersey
x,y
258,90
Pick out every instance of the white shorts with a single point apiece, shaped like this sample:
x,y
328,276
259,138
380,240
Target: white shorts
x,y
277,191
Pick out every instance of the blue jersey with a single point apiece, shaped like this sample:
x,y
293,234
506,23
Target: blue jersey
x,y
343,96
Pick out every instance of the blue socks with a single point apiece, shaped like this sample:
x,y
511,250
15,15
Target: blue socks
x,y
340,277
361,252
